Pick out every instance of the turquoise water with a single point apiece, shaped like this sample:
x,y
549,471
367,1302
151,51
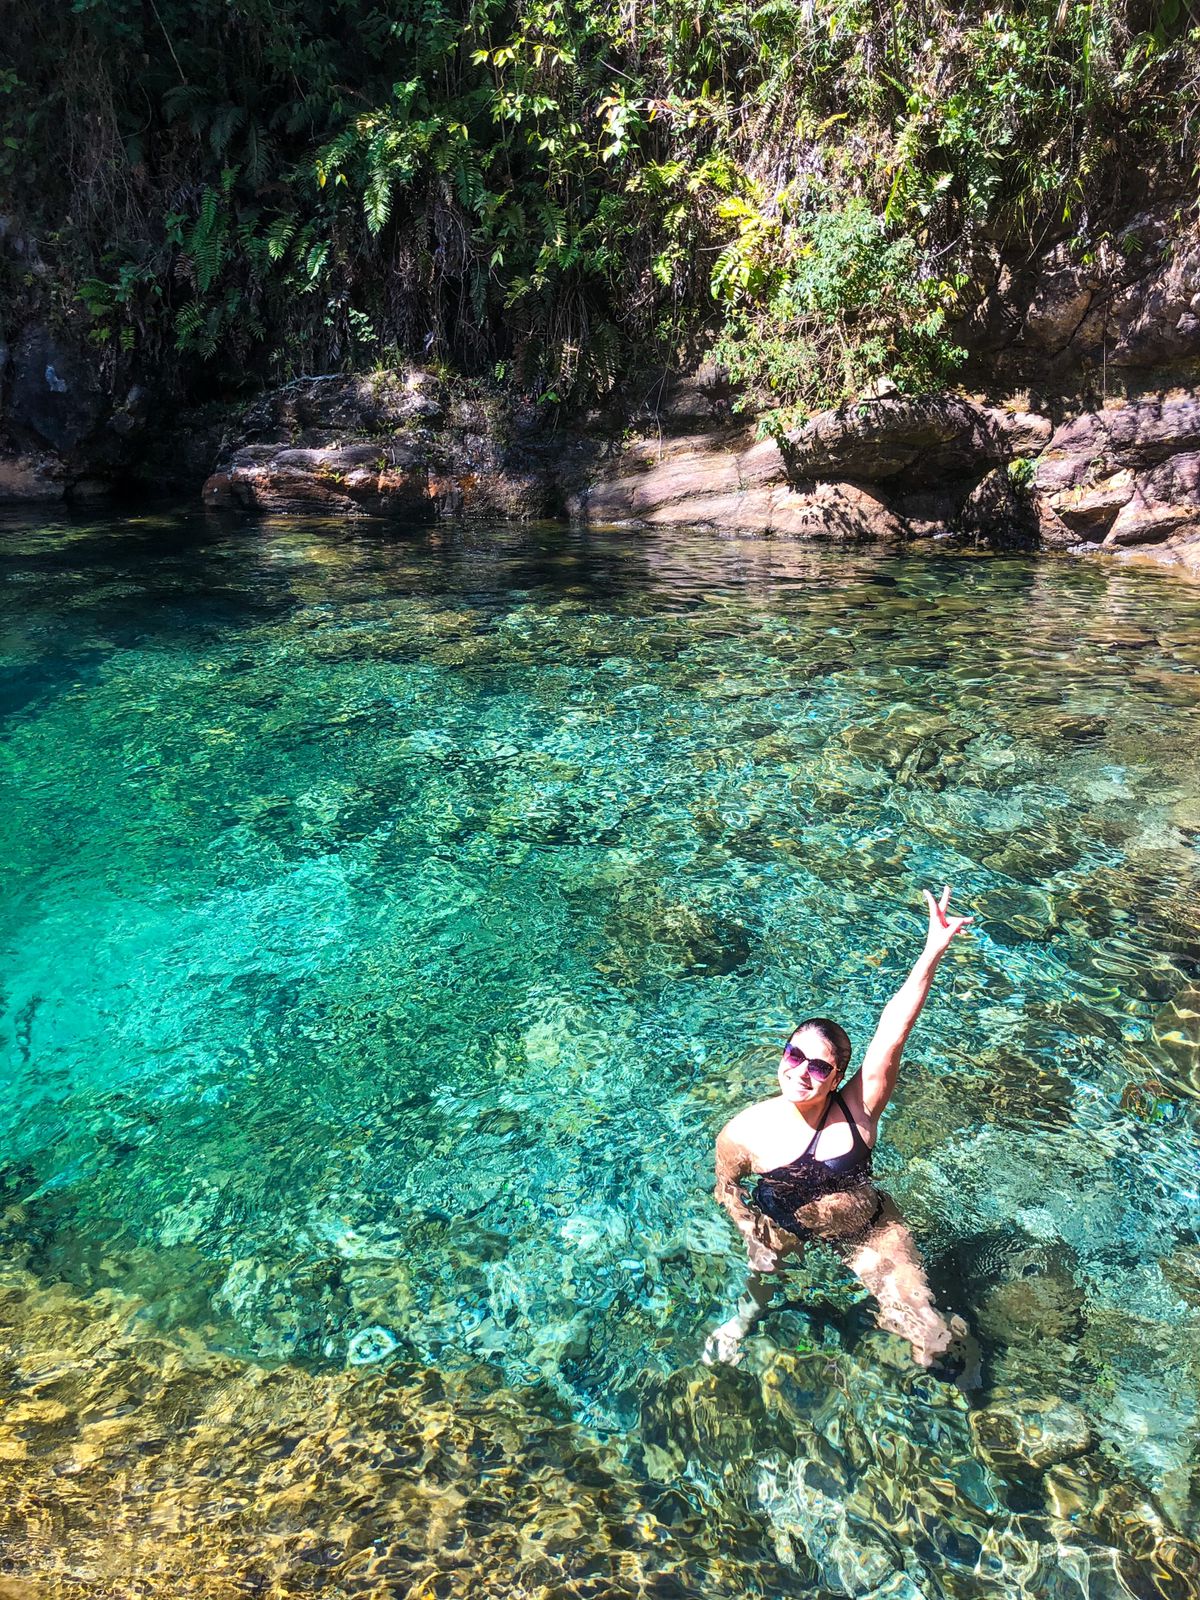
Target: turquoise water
x,y
392,917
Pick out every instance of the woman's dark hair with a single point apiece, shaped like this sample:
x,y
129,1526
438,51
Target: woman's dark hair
x,y
834,1036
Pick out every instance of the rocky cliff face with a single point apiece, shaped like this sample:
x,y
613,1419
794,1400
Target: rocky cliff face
x,y
403,442
1088,436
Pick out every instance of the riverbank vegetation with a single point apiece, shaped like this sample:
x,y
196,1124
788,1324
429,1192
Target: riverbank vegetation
x,y
554,192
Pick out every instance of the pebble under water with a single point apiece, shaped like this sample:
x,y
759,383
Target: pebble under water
x,y
391,919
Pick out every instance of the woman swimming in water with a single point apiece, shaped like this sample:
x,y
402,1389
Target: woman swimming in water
x,y
811,1147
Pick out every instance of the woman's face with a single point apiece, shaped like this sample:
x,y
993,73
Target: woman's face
x,y
803,1081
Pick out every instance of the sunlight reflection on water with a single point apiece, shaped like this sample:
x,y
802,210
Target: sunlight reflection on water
x,y
392,919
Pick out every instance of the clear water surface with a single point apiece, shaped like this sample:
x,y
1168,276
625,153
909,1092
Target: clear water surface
x,y
391,918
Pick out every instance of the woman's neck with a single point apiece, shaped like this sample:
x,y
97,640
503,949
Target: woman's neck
x,y
812,1112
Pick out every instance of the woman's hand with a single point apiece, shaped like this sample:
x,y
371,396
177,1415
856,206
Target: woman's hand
x,y
942,927
762,1258
762,1250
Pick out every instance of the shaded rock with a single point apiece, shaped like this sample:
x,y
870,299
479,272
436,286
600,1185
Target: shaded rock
x,y
927,512
700,399
419,478
65,435
1026,1310
1132,306
32,477
56,394
181,458
1060,302
1154,317
923,437
1031,1433
401,442
1000,514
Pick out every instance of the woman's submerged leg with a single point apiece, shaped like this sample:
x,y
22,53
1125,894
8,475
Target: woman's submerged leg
x,y
725,1342
887,1262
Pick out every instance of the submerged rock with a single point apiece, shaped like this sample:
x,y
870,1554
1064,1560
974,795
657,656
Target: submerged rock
x,y
911,744
1177,1036
369,1346
1032,1433
650,934
193,1476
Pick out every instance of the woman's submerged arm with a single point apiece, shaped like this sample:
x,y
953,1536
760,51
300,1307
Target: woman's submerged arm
x,y
881,1064
733,1163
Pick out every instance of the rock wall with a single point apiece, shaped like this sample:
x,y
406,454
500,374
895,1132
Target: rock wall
x,y
1124,475
404,442
1066,326
1121,478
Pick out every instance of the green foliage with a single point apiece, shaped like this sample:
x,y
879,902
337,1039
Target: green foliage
x,y
825,304
560,189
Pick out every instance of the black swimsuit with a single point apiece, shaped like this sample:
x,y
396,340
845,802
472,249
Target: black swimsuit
x,y
783,1191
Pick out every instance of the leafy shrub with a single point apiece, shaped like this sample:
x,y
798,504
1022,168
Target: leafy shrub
x,y
833,304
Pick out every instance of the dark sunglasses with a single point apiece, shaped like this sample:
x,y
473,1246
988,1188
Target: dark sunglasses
x,y
817,1069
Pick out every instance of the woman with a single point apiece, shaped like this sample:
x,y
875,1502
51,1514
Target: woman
x,y
811,1149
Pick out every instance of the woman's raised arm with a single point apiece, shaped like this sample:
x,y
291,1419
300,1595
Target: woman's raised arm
x,y
881,1064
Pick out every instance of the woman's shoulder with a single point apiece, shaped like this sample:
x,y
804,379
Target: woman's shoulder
x,y
851,1096
742,1128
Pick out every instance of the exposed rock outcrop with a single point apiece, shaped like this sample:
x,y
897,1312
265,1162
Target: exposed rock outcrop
x,y
400,442
1131,310
726,481
1128,475
912,440
890,468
